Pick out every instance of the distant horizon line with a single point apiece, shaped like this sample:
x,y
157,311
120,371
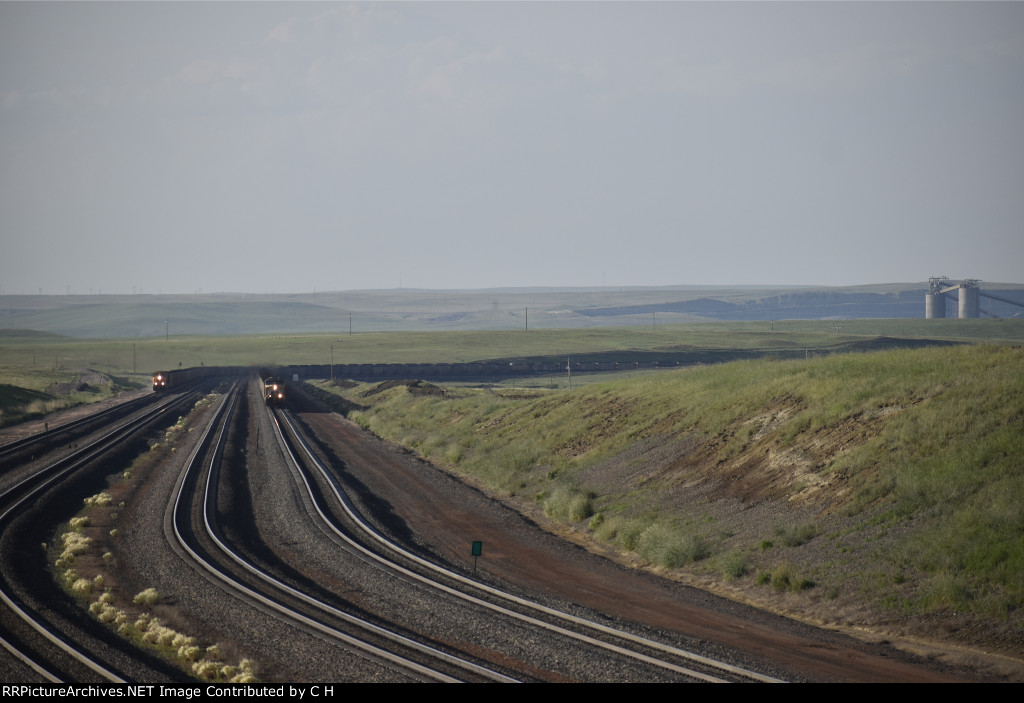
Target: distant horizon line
x,y
497,289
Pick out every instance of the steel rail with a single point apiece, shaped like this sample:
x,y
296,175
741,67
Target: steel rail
x,y
30,663
58,470
210,523
350,640
552,612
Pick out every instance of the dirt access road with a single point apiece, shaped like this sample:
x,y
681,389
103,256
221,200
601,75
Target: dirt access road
x,y
439,514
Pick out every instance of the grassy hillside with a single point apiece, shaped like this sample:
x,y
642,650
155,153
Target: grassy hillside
x,y
893,478
27,393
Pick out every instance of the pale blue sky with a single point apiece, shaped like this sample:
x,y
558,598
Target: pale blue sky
x,y
290,146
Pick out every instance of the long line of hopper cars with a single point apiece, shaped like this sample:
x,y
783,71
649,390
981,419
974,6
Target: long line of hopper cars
x,y
273,386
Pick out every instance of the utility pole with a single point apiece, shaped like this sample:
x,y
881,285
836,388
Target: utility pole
x,y
167,330
527,328
350,324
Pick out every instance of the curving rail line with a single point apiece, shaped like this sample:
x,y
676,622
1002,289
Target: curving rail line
x,y
181,512
15,500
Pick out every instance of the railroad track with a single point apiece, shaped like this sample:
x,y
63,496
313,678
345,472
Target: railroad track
x,y
196,530
348,584
63,438
47,636
353,532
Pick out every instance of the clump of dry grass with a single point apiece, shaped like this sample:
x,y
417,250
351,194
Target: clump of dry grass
x,y
149,597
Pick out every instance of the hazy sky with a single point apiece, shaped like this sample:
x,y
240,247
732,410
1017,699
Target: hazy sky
x,y
290,146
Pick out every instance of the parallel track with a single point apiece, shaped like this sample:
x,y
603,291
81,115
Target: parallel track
x,y
213,554
52,645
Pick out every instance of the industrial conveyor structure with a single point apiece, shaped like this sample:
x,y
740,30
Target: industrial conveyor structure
x,y
940,289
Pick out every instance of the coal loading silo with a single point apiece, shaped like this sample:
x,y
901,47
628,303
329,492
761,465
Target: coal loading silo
x,y
969,298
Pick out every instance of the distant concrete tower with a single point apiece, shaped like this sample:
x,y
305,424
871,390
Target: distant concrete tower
x,y
969,298
934,299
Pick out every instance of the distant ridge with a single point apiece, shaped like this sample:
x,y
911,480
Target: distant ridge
x,y
146,316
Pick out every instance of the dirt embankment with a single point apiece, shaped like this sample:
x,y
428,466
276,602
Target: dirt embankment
x,y
802,551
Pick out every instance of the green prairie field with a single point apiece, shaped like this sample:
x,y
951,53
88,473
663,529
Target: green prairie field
x,y
49,365
36,352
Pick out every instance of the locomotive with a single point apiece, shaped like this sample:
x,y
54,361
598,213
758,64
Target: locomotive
x,y
273,391
160,381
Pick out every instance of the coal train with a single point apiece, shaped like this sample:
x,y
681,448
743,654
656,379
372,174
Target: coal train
x,y
172,380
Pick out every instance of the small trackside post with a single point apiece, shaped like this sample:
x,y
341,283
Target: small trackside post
x,y
478,549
